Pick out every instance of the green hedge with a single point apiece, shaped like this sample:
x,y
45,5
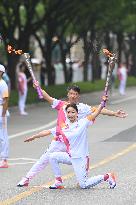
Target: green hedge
x,y
59,91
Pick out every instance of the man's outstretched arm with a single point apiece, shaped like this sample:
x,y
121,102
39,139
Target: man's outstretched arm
x,y
118,113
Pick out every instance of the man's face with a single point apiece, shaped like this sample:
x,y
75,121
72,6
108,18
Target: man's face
x,y
73,96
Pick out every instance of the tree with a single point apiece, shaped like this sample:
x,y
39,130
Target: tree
x,y
56,25
17,29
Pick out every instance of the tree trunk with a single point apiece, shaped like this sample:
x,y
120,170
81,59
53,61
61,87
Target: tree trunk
x,y
12,62
107,40
132,50
120,42
96,69
86,57
63,59
48,58
96,66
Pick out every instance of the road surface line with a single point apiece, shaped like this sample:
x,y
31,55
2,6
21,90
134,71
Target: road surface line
x,y
19,163
122,100
29,192
23,158
33,130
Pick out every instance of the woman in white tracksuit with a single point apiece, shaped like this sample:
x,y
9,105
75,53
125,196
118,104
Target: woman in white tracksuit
x,y
57,145
77,145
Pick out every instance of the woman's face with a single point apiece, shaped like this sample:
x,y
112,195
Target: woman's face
x,y
72,114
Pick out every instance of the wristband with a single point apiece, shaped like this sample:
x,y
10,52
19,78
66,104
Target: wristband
x,y
103,104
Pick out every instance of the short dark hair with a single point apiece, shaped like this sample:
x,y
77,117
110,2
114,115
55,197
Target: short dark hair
x,y
73,105
75,88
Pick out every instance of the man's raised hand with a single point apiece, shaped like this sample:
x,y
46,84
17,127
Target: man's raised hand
x,y
121,114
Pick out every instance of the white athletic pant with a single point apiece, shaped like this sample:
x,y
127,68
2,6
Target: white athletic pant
x,y
4,142
22,101
55,146
122,87
79,165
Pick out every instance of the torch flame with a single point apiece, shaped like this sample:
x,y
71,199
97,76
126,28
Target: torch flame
x,y
107,53
10,49
19,52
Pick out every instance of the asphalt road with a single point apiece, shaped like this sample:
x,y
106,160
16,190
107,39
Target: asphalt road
x,y
112,148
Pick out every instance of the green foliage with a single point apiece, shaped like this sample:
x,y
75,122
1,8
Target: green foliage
x,y
22,19
40,9
2,54
131,81
129,23
22,12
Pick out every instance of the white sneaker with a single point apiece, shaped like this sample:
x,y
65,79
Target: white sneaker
x,y
111,180
57,185
24,182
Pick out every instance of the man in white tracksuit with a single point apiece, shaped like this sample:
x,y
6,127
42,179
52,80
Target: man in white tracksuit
x,y
4,143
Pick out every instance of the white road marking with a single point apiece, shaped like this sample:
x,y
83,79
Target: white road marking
x,y
122,100
20,163
33,130
28,161
16,159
